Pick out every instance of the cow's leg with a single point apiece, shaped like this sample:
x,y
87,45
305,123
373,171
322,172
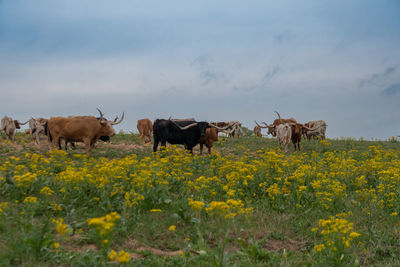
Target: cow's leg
x,y
88,146
155,145
201,148
209,148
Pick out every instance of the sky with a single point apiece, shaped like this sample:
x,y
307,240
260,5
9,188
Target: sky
x,y
337,61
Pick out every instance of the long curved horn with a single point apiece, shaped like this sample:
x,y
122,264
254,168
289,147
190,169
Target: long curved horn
x,y
22,123
118,122
278,114
219,128
186,127
315,128
268,126
101,114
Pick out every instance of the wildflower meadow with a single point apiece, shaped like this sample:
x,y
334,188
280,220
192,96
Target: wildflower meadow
x,y
335,203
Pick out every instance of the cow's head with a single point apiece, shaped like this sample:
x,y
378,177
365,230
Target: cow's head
x,y
16,123
203,125
107,126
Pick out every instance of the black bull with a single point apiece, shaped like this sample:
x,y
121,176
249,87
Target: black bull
x,y
168,131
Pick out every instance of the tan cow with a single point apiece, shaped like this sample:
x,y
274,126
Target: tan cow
x,y
319,129
87,129
8,125
272,127
284,135
208,140
145,128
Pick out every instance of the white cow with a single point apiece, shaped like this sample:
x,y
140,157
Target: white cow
x,y
8,125
36,127
320,129
284,135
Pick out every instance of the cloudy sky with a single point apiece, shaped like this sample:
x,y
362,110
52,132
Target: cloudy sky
x,y
213,60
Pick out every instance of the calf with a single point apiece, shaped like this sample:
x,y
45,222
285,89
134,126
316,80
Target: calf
x,y
208,140
145,128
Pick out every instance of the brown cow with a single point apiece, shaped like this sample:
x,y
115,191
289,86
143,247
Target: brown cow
x,y
8,125
298,130
87,129
208,139
145,128
272,127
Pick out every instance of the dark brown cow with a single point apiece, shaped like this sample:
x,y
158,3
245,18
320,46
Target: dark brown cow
x,y
208,140
87,129
272,127
298,130
145,128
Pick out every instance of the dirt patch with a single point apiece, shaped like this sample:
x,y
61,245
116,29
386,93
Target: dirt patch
x,y
136,246
288,244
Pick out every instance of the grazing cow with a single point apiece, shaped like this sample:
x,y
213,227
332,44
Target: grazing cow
x,y
208,140
186,133
272,127
231,128
145,128
283,135
319,129
257,129
8,125
87,129
36,127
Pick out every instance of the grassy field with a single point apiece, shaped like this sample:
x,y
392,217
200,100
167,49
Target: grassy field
x,y
335,203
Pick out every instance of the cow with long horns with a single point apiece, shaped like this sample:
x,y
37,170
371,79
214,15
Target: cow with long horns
x,y
8,125
272,127
187,133
36,127
87,129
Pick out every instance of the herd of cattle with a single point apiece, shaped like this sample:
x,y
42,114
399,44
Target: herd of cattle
x,y
188,132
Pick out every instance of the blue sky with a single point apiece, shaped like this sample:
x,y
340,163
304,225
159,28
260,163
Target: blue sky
x,y
213,60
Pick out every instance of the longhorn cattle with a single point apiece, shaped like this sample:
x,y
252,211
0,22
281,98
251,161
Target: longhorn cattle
x,y
272,127
36,127
145,128
209,139
87,129
231,128
319,131
186,133
283,135
8,125
257,129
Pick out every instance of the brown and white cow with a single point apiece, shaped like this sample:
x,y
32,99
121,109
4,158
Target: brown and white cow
x,y
284,135
272,127
231,128
257,129
209,139
145,128
8,125
36,127
319,129
87,129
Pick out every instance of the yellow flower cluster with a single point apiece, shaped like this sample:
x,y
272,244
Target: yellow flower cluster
x,y
122,256
61,227
337,233
3,206
229,209
46,191
30,200
104,224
